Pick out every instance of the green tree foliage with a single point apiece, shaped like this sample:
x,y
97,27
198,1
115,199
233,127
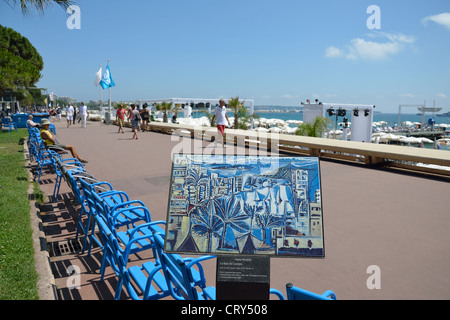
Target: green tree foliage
x,y
166,107
313,129
40,5
236,105
20,62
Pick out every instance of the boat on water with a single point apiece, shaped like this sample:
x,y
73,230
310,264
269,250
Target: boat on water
x,y
429,109
445,114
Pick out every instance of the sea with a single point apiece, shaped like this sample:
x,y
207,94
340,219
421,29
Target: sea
x,y
390,118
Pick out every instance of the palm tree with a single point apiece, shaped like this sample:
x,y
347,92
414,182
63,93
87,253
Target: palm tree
x,y
313,129
206,223
236,105
166,107
245,118
229,211
40,5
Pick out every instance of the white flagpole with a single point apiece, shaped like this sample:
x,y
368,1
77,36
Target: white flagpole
x,y
101,102
109,94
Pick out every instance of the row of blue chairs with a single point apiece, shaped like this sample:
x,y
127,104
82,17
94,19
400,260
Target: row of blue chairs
x,y
45,156
125,228
122,227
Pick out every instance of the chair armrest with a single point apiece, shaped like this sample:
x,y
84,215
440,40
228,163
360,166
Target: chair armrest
x,y
277,293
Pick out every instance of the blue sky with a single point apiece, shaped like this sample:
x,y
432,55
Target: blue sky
x,y
275,52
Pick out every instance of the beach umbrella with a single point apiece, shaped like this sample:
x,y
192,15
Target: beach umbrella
x,y
410,140
425,140
261,129
275,130
390,137
289,130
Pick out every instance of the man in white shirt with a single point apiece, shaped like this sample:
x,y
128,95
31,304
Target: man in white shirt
x,y
83,114
31,123
220,113
69,114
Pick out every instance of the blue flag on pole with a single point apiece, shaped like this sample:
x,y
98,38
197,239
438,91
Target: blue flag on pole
x,y
107,81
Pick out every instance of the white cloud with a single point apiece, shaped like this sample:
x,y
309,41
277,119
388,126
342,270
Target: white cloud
x,y
332,52
370,50
442,19
442,95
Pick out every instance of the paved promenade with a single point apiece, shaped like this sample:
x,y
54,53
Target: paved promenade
x,y
397,222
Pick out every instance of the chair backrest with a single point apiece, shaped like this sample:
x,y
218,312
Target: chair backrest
x,y
111,246
6,120
172,271
184,276
295,293
52,128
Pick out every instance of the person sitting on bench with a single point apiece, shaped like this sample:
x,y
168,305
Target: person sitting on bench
x,y
50,141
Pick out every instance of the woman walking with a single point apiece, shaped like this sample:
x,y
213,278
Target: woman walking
x,y
135,119
145,115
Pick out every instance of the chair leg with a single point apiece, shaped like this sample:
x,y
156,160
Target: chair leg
x,y
118,289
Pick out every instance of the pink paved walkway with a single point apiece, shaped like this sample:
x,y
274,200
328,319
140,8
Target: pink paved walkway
x,y
397,222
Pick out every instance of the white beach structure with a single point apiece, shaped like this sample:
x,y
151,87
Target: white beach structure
x,y
361,117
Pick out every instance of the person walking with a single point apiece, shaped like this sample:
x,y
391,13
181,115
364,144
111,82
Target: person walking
x,y
75,113
220,114
120,117
69,114
58,113
83,114
135,118
145,115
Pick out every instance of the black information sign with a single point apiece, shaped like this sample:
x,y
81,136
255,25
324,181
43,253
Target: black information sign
x,y
243,277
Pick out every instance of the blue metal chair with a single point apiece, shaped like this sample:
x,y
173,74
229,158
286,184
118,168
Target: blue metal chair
x,y
185,276
295,293
88,209
134,224
45,159
148,277
183,280
8,124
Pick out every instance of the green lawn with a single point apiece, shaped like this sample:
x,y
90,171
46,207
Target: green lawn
x,y
18,277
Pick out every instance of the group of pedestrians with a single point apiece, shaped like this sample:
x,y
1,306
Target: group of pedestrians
x,y
135,116
72,113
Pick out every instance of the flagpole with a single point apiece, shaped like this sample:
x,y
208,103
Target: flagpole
x,y
109,95
101,102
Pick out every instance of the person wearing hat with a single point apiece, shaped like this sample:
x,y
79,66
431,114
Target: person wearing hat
x,y
50,140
